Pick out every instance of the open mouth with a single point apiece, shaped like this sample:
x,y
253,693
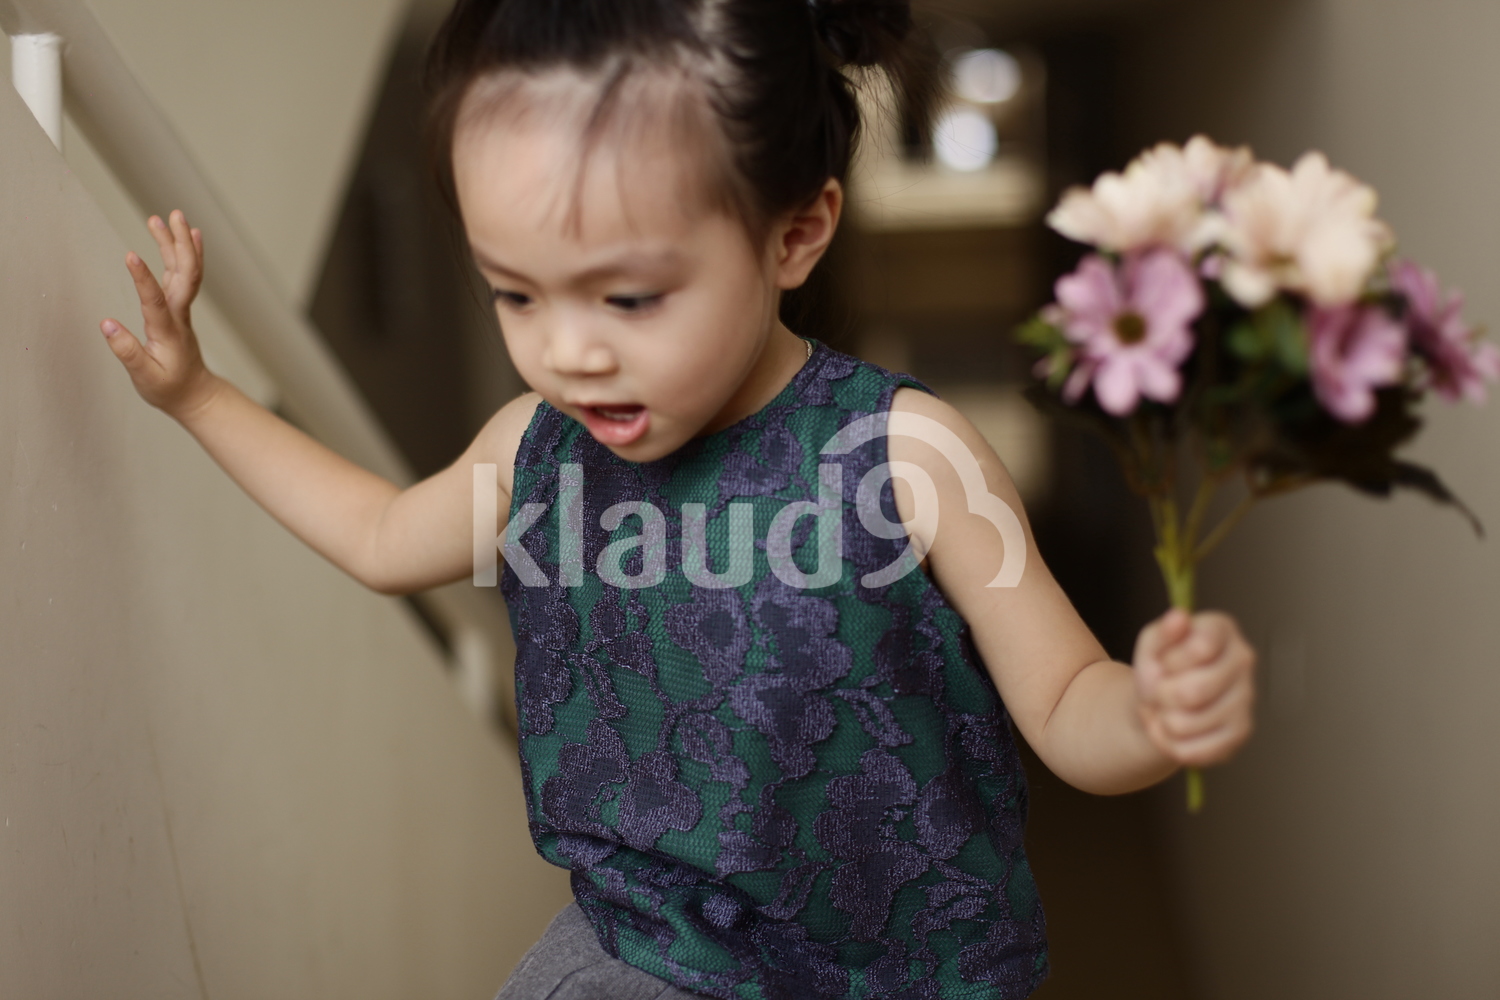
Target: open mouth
x,y
616,424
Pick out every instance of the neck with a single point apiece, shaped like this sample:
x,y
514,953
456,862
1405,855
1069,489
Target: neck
x,y
781,357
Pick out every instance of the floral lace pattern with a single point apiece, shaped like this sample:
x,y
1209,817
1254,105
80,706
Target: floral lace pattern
x,y
766,792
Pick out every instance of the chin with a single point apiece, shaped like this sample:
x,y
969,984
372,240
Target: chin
x,y
649,448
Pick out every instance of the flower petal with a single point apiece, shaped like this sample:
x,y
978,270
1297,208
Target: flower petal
x,y
1078,381
1090,299
1250,286
1164,290
1158,381
1115,386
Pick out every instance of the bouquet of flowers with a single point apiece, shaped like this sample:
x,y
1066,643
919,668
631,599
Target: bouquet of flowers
x,y
1238,321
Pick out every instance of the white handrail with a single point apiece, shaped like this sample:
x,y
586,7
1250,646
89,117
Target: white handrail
x,y
137,142
36,71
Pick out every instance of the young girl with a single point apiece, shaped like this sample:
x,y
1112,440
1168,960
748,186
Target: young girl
x,y
775,753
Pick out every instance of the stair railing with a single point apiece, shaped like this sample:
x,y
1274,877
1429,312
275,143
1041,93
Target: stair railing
x,y
133,137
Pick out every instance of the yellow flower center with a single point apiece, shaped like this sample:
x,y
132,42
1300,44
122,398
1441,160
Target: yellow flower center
x,y
1130,328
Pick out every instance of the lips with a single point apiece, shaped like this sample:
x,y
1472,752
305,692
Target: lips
x,y
616,424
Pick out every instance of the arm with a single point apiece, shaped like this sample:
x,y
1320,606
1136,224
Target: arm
x,y
392,540
1098,724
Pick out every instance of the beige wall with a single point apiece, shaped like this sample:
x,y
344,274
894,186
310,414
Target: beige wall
x,y
1352,851
225,769
271,97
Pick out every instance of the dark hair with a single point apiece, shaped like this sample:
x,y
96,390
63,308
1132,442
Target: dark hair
x,y
771,71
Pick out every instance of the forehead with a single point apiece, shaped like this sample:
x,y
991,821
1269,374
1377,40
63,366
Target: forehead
x,y
583,157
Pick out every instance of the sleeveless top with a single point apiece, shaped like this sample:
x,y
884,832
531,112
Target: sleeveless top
x,y
764,789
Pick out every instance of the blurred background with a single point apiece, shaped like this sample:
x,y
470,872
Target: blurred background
x,y
1350,850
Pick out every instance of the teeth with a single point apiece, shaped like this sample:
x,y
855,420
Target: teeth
x,y
620,415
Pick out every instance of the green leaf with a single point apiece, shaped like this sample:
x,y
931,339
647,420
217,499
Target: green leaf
x,y
1219,454
1226,395
1246,344
1289,336
1061,364
1274,332
1317,446
1424,480
1053,344
1037,332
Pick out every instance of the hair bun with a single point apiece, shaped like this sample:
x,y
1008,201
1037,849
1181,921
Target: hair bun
x,y
862,32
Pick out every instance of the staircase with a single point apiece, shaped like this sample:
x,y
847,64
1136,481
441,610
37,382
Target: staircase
x,y
226,770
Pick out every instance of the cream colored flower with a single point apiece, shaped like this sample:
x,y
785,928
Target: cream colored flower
x,y
1312,230
1216,170
1158,201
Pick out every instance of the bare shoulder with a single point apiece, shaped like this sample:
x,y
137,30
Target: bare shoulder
x,y
910,400
500,438
933,452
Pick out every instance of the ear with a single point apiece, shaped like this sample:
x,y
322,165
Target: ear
x,y
801,237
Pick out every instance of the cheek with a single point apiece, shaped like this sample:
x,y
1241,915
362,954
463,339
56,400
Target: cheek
x,y
691,376
716,348
524,347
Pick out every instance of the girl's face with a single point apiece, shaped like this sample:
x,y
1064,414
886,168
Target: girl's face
x,y
622,302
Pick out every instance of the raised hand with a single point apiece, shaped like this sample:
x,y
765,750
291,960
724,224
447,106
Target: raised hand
x,y
1196,687
168,370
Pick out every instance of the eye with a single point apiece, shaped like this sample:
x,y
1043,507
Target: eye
x,y
634,303
515,300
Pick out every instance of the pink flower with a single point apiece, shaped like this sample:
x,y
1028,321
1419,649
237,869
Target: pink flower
x,y
1354,350
1133,326
1457,365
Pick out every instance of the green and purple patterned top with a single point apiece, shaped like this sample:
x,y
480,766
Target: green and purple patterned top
x,y
764,789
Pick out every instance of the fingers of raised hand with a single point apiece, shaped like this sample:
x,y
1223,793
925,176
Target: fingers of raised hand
x,y
182,255
165,242
143,369
189,261
153,299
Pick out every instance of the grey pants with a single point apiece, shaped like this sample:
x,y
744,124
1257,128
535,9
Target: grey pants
x,y
568,964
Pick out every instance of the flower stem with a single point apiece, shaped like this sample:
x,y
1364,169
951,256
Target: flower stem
x,y
1175,554
1194,791
1207,487
1178,548
1222,529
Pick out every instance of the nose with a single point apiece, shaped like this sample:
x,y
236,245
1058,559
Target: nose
x,y
574,349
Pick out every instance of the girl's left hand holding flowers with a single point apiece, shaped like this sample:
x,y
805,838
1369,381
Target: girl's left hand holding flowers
x,y
1195,686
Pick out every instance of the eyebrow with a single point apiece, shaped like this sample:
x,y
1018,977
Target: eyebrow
x,y
628,265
